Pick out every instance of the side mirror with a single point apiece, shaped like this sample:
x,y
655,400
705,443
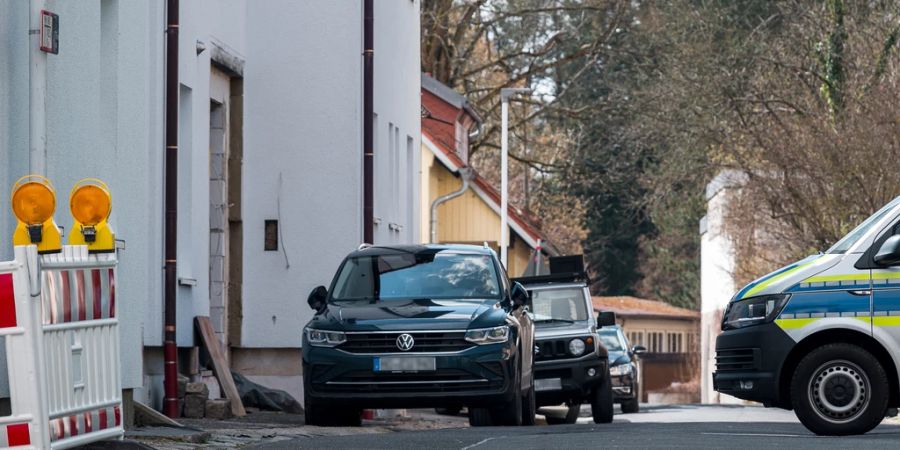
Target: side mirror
x,y
606,319
889,253
317,298
638,350
519,295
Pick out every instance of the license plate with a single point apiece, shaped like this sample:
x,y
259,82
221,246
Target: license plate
x,y
404,364
548,384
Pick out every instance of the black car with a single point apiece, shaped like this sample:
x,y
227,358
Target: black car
x,y
623,368
431,326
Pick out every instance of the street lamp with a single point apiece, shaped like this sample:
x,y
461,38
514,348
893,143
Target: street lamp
x,y
505,93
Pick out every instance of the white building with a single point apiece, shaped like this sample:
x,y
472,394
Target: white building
x,y
270,135
717,284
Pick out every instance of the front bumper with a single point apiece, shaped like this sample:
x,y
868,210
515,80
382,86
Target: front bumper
x,y
478,376
749,363
575,382
623,387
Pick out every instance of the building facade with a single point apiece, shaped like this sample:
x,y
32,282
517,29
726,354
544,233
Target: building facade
x,y
270,158
670,335
474,216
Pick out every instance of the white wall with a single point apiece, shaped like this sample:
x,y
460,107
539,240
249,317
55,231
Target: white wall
x,y
397,90
303,125
717,284
104,120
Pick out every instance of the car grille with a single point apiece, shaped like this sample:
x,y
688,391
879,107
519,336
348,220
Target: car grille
x,y
551,349
739,359
425,342
447,380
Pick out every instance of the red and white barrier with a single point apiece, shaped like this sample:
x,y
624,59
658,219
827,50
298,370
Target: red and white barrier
x,y
66,388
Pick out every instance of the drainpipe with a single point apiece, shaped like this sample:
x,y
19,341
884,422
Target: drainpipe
x,y
465,173
37,92
170,351
368,131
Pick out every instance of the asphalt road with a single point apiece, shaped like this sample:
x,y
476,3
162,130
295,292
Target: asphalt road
x,y
689,427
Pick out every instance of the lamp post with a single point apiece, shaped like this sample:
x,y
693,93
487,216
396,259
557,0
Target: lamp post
x,y
505,93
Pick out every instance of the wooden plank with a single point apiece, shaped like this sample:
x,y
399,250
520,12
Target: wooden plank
x,y
220,364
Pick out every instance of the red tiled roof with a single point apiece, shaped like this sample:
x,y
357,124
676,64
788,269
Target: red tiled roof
x,y
627,306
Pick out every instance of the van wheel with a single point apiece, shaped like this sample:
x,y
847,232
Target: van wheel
x,y
602,402
839,389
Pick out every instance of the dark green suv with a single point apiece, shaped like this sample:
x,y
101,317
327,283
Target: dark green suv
x,y
431,326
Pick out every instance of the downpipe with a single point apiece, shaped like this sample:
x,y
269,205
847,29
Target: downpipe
x,y
465,173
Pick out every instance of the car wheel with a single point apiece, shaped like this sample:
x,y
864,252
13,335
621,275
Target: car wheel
x,y
480,417
312,415
602,402
839,389
510,413
451,411
631,406
529,407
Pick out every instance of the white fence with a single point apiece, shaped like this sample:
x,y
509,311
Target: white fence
x,y
58,313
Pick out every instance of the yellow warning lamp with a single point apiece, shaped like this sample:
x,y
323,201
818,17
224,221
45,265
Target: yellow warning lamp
x,y
91,203
33,203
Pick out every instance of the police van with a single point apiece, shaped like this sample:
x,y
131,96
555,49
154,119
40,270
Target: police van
x,y
822,336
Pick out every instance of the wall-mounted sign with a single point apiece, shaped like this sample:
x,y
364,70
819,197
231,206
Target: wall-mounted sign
x,y
49,32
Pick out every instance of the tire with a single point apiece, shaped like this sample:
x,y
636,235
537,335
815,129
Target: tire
x,y
631,406
510,413
839,389
312,415
602,402
480,417
331,417
529,407
451,411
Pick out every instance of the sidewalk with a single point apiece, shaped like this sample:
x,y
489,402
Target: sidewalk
x,y
263,427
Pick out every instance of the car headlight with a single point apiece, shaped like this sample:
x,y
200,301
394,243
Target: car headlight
x,y
324,338
753,311
621,369
483,336
576,347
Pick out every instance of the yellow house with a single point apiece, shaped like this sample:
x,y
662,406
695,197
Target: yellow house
x,y
473,215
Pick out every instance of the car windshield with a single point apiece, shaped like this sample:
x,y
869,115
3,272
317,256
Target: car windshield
x,y
852,237
610,340
558,305
431,275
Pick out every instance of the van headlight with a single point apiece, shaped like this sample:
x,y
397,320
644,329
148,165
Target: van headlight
x,y
493,335
325,338
754,311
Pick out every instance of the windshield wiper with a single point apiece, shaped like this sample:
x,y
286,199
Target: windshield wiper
x,y
554,320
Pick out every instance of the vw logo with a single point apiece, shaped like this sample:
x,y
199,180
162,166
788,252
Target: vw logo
x,y
405,342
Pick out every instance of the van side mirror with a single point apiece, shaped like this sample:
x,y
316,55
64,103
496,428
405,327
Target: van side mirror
x,y
638,350
519,295
889,253
606,319
317,298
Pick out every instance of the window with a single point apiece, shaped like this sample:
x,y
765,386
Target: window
x,y
655,342
558,306
443,275
673,343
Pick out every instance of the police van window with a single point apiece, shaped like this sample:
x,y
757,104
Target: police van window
x,y
851,238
